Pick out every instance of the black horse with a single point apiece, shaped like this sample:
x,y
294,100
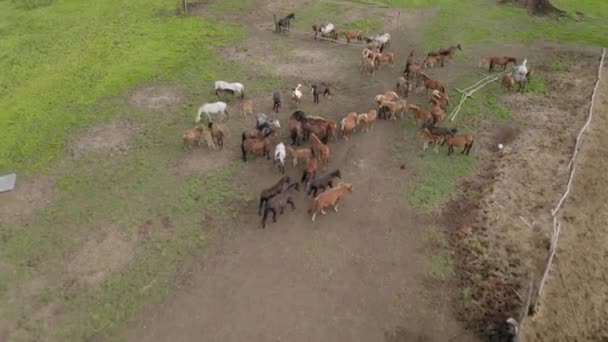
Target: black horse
x,y
276,101
284,23
318,89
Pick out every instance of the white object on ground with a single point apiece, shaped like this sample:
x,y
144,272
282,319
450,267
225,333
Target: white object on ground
x,y
500,146
7,183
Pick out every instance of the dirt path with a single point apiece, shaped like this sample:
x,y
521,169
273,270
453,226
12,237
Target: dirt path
x,y
575,308
356,275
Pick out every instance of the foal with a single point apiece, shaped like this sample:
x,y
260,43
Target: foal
x,y
276,101
280,201
318,89
272,191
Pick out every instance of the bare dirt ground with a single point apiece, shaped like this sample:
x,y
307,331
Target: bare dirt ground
x,y
503,239
360,274
356,275
574,306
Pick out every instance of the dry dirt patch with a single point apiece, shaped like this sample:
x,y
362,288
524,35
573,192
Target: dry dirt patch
x,y
112,138
99,257
156,98
29,195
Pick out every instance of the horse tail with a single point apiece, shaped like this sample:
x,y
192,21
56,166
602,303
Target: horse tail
x,y
243,150
342,124
304,174
243,137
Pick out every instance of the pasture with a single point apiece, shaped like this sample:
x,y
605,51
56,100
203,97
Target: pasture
x,y
115,232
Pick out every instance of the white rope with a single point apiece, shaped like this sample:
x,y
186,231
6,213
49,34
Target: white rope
x,y
469,91
580,134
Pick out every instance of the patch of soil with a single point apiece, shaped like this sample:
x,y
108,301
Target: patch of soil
x,y
199,161
30,194
502,222
156,98
111,138
575,298
100,257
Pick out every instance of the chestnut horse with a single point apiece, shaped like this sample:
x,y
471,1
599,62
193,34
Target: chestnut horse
x,y
320,150
431,84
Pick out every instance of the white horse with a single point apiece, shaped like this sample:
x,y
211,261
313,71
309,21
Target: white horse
x,y
384,40
279,156
233,88
263,122
521,75
296,95
329,28
216,109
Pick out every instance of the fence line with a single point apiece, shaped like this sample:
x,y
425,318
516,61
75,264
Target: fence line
x,y
556,211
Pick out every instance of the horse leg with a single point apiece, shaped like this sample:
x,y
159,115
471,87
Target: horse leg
x,y
336,207
450,149
314,215
274,215
293,206
264,217
262,201
425,145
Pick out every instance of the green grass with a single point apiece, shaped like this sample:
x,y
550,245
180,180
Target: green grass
x,y
59,60
437,178
365,25
440,266
481,21
90,196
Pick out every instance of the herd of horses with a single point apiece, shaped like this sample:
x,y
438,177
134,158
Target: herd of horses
x,y
317,131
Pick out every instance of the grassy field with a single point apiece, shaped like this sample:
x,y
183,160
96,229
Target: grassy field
x,y
58,61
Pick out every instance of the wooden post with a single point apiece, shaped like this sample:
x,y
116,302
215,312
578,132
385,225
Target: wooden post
x,y
398,20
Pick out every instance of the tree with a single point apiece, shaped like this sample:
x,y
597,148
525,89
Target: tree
x,y
537,7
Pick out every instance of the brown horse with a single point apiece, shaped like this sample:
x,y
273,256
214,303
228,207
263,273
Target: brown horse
x,y
319,128
421,115
329,199
311,169
192,137
441,98
463,140
351,35
501,61
507,82
394,108
385,58
348,124
437,112
367,120
217,134
431,84
295,131
449,52
303,154
320,150
403,86
257,145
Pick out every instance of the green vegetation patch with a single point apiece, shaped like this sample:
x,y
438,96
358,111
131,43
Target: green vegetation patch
x,y
437,177
479,21
59,60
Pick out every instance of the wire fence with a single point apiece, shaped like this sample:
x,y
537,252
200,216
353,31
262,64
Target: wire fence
x,y
555,213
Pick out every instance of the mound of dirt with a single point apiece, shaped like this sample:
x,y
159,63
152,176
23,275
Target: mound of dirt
x,y
156,98
29,195
112,137
98,258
